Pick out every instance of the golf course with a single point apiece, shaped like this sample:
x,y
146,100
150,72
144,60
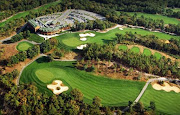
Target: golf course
x,y
112,92
23,46
166,102
72,39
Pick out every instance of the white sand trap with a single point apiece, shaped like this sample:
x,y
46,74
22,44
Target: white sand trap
x,y
83,39
57,87
166,87
121,28
87,34
81,46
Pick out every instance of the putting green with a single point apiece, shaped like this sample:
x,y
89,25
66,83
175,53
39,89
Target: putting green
x,y
123,47
23,46
166,102
147,52
112,92
157,55
44,75
135,49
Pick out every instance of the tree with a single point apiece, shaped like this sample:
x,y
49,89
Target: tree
x,y
138,107
152,106
77,94
96,101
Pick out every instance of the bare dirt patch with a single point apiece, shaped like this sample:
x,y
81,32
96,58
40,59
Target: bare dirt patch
x,y
112,70
9,50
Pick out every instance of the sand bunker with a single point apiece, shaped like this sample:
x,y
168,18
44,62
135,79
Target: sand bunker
x,y
57,87
83,39
87,34
81,46
166,87
120,28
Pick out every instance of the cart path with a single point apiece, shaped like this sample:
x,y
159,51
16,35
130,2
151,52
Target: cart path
x,y
144,89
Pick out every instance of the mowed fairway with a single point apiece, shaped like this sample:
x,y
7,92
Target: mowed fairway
x,y
166,102
111,91
72,39
23,46
167,20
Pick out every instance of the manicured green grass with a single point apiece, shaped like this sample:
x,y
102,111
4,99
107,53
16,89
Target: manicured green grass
x,y
111,91
44,75
22,46
147,52
166,102
135,49
157,55
36,38
25,13
73,39
123,47
167,20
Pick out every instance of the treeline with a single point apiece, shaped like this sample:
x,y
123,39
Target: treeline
x,y
12,26
151,41
91,25
149,64
10,7
19,37
109,11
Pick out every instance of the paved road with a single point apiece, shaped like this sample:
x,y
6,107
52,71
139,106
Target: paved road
x,y
144,89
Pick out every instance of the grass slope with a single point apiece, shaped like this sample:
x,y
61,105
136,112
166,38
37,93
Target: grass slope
x,y
22,46
36,38
166,102
111,91
72,39
167,20
25,13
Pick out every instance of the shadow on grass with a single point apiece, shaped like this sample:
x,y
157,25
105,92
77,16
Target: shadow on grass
x,y
42,60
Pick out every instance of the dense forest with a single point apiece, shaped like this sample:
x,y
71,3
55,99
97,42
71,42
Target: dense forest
x,y
147,6
10,7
